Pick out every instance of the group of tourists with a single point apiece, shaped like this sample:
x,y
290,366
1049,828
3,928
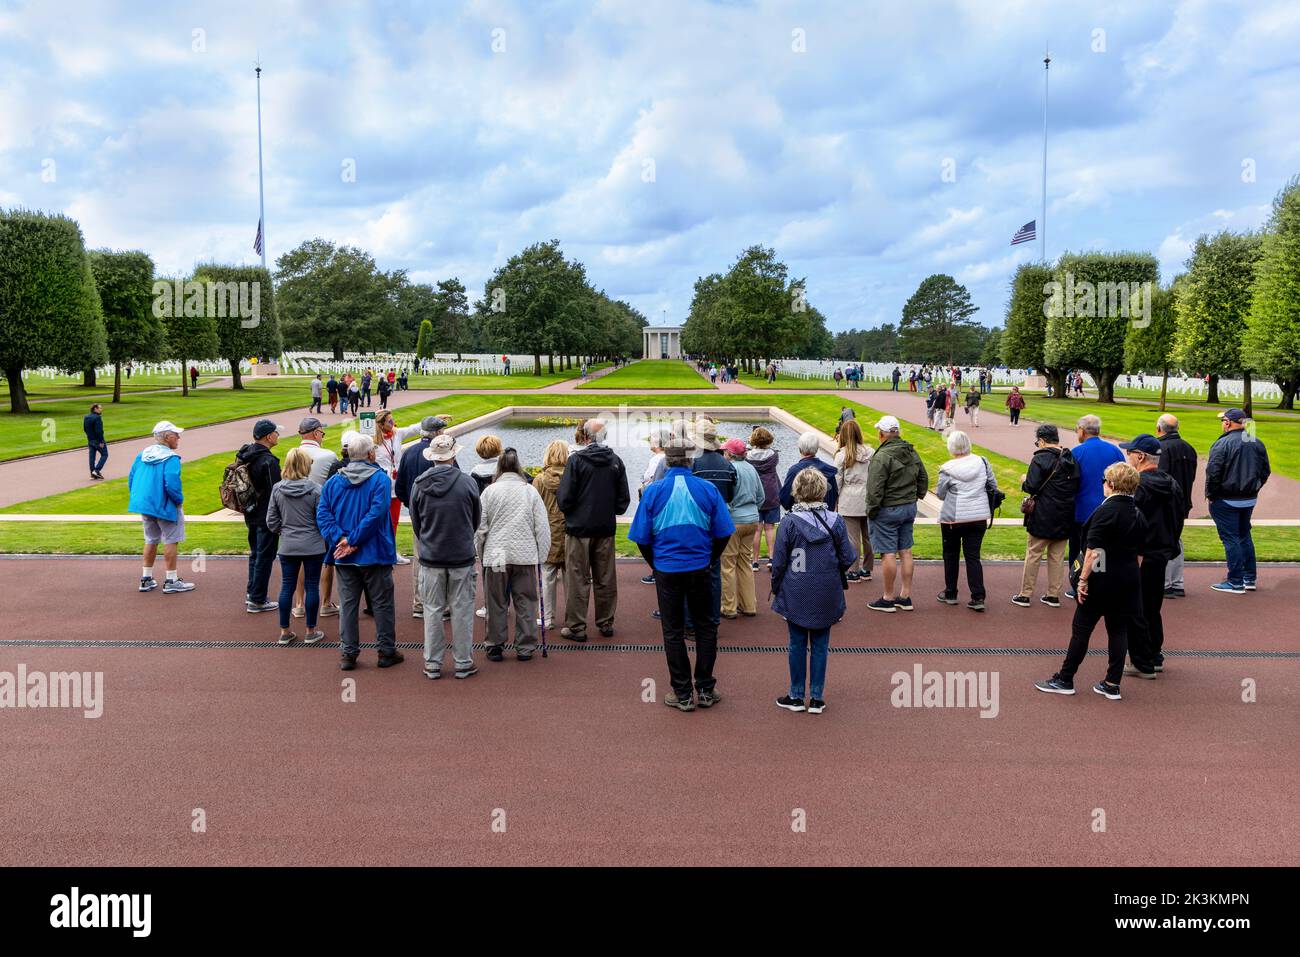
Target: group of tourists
x,y
349,393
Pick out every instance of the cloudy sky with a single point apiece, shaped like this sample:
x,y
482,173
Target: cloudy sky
x,y
655,138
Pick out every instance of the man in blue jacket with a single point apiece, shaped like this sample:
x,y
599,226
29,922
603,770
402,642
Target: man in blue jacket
x,y
682,527
353,516
93,426
154,483
1236,470
1093,455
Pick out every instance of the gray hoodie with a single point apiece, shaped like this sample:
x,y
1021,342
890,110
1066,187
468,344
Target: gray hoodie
x,y
291,514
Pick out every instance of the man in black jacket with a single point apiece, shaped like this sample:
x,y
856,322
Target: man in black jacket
x,y
712,466
1178,458
410,466
1161,501
1237,469
93,426
593,492
263,472
1053,482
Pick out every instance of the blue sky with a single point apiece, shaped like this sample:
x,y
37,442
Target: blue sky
x,y
656,140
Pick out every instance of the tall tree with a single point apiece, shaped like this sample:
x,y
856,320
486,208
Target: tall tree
x,y
424,343
334,297
191,336
1272,343
49,307
528,299
1213,305
1024,332
451,315
132,330
991,352
936,324
1151,348
702,332
241,302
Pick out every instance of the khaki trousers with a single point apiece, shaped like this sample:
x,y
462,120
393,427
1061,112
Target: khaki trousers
x,y
589,558
738,572
1055,565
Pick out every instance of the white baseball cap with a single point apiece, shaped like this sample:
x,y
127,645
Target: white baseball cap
x,y
165,426
887,423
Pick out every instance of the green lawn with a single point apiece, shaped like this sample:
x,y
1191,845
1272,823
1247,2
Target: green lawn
x,y
38,387
517,381
652,374
230,538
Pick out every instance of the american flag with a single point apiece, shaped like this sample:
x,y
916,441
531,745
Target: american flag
x,y
257,241
1025,234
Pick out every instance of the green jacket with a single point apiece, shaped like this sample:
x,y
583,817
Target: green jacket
x,y
896,476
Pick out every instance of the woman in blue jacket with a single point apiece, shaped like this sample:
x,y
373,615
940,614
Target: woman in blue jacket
x,y
808,565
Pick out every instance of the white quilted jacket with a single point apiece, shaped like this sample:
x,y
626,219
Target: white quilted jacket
x,y
514,529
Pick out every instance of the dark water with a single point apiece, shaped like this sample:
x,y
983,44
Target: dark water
x,y
530,437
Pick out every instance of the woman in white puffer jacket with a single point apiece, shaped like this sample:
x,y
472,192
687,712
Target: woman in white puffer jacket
x,y
513,538
965,481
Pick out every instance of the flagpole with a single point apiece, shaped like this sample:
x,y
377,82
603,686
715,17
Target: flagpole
x,y
261,196
1042,226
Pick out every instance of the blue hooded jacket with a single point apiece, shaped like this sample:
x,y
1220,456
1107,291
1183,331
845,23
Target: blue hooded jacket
x,y
354,504
155,483
806,563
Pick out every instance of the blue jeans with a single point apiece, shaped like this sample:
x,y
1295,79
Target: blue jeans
x,y
715,597
100,454
803,640
343,402
1233,525
310,565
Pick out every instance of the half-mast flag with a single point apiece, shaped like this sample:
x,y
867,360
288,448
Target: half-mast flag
x,y
257,240
1025,234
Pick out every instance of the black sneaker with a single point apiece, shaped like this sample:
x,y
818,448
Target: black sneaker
x,y
946,599
387,661
1107,690
903,604
707,699
883,604
816,705
648,580
656,615
753,566
348,663
1054,685
975,604
790,704
1250,586
852,577
1020,600
864,576
148,584
1049,601
1175,593
494,653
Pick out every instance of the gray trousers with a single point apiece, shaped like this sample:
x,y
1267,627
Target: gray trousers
x,y
517,585
376,581
1174,570
552,575
442,589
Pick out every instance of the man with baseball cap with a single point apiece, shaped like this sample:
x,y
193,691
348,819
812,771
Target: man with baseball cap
x,y
896,481
154,483
1235,472
410,465
311,436
263,472
1160,501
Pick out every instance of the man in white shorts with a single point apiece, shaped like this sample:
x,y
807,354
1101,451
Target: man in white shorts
x,y
155,486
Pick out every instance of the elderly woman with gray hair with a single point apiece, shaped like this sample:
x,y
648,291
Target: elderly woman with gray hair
x,y
965,482
809,561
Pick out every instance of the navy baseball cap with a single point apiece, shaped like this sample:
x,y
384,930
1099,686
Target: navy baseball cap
x,y
263,428
1146,443
1233,415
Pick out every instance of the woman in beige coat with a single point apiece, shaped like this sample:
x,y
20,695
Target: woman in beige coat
x,y
851,461
547,483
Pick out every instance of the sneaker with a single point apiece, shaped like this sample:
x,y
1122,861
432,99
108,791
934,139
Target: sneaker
x,y
1131,669
883,604
524,656
329,611
403,560
790,704
286,639
571,635
1160,667
253,607
1175,593
816,705
946,599
1020,600
903,604
647,579
1054,685
299,612
752,565
1229,588
975,604
348,663
1071,593
656,615
1108,691
1049,601
494,653
312,637
681,704
480,612
607,632
469,672
417,612
707,699
864,576
175,586
148,584
387,661
852,577
446,615
432,673
1249,586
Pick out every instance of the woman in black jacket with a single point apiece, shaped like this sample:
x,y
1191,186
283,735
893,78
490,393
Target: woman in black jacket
x,y
1109,585
1051,483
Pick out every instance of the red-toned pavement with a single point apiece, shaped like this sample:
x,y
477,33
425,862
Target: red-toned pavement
x,y
581,769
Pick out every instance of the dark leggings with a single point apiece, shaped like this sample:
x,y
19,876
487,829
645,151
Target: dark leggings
x,y
310,565
1015,416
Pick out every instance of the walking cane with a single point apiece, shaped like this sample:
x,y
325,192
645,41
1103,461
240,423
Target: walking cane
x,y
541,604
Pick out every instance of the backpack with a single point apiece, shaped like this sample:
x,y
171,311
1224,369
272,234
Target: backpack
x,y
237,492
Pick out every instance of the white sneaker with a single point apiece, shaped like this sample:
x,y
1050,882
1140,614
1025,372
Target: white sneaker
x,y
481,613
403,560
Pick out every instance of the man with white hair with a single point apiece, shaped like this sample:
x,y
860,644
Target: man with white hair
x,y
154,483
353,517
808,444
1093,455
1178,458
593,491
